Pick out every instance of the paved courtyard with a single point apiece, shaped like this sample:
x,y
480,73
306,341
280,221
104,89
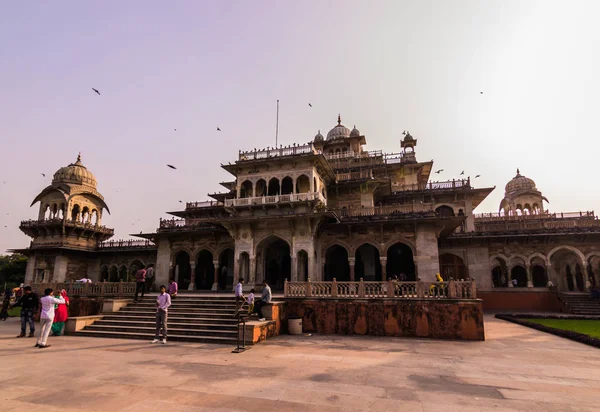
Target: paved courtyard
x,y
515,369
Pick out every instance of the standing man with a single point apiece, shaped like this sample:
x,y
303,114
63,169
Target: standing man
x,y
149,277
264,299
140,283
163,301
47,316
173,288
239,295
29,303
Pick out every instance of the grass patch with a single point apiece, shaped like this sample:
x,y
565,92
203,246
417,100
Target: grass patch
x,y
586,327
15,312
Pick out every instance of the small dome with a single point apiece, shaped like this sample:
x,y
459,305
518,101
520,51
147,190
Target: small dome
x,y
354,132
75,173
338,132
408,137
519,183
319,137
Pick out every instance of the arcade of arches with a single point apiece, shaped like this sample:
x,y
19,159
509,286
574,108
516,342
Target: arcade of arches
x,y
205,272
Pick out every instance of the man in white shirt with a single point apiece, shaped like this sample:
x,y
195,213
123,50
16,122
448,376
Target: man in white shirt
x,y
163,301
239,295
47,316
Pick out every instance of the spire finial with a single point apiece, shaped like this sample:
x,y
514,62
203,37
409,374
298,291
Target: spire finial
x,y
339,120
79,157
518,172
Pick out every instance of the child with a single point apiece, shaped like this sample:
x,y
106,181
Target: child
x,y
251,302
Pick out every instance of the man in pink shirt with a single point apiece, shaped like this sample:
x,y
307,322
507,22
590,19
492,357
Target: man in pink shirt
x,y
140,283
173,288
163,301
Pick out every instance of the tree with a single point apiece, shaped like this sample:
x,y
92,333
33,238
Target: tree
x,y
12,270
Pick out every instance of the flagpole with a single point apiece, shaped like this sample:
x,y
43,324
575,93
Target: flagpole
x,y
277,126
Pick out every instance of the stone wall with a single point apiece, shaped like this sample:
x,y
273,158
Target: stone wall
x,y
521,300
447,319
77,267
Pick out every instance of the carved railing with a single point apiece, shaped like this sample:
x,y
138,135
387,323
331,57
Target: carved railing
x,y
363,174
198,205
266,200
103,289
387,210
493,217
70,223
293,150
453,289
126,244
445,185
555,221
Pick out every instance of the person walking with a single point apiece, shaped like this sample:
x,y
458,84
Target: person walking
x,y
61,314
5,304
163,301
264,300
29,303
140,283
239,295
47,316
149,277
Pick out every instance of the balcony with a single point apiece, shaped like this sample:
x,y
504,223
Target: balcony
x,y
262,154
361,175
444,185
388,211
181,225
31,226
375,157
495,217
126,244
199,205
277,199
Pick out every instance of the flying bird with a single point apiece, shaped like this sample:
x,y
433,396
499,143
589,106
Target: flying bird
x,y
477,176
180,201
43,174
462,173
439,171
310,105
480,92
172,167
218,130
404,133
96,90
175,129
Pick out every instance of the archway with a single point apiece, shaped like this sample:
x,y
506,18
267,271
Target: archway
x,y
565,260
538,276
444,211
452,267
367,264
400,262
276,261
205,270
182,270
75,213
302,184
261,188
499,279
274,187
123,274
134,267
336,264
226,268
114,274
246,189
302,266
104,274
287,186
519,273
579,278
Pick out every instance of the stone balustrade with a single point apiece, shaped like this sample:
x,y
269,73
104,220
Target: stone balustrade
x,y
453,289
266,200
108,289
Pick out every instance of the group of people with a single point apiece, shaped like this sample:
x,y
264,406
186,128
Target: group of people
x,y
253,307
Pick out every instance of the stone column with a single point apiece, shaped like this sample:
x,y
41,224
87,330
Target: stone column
x,y
351,262
529,276
192,285
509,276
30,270
60,269
383,261
427,261
177,274
215,285
294,268
252,274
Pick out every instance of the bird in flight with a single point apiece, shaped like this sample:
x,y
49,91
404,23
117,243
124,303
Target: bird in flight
x,y
172,167
462,173
218,130
404,133
96,90
480,92
310,105
175,129
439,171
180,201
477,176
43,174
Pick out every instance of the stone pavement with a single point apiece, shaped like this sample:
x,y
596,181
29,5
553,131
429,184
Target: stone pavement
x,y
516,369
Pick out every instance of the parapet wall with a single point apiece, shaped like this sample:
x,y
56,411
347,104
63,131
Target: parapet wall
x,y
422,318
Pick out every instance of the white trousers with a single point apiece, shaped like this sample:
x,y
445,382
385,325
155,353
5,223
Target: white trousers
x,y
45,332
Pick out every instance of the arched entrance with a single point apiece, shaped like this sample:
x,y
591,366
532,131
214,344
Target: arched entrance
x,y
182,271
400,262
244,267
287,186
336,264
104,274
568,269
579,278
114,274
123,273
226,268
519,273
452,267
276,261
444,211
274,187
367,265
205,270
302,262
538,276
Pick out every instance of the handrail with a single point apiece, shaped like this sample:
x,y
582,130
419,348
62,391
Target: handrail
x,y
107,289
128,243
282,151
265,200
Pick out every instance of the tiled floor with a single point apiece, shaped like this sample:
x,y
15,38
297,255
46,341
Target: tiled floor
x,y
515,369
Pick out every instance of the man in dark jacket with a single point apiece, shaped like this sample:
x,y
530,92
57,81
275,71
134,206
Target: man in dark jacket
x,y
29,304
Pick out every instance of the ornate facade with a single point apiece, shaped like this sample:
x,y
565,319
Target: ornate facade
x,y
322,210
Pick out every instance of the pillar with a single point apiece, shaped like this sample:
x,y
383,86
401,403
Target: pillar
x,y
550,273
509,275
383,261
427,260
252,274
351,262
30,270
192,285
529,276
177,274
294,264
60,269
215,285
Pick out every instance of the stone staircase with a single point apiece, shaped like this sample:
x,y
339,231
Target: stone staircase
x,y
197,319
580,303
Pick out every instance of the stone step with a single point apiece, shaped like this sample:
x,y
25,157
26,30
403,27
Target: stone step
x,y
149,336
188,305
172,318
171,324
150,330
212,311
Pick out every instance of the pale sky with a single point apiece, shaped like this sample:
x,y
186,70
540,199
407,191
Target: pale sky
x,y
386,66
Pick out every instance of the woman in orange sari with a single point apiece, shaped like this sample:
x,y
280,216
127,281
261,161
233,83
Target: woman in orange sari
x,y
61,314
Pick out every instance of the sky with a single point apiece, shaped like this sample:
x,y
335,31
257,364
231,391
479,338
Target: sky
x,y
385,66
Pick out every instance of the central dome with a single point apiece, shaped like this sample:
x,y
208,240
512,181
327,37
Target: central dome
x,y
338,132
75,173
519,183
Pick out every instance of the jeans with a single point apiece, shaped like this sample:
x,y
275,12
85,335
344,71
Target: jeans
x,y
161,324
140,286
46,328
258,308
27,316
